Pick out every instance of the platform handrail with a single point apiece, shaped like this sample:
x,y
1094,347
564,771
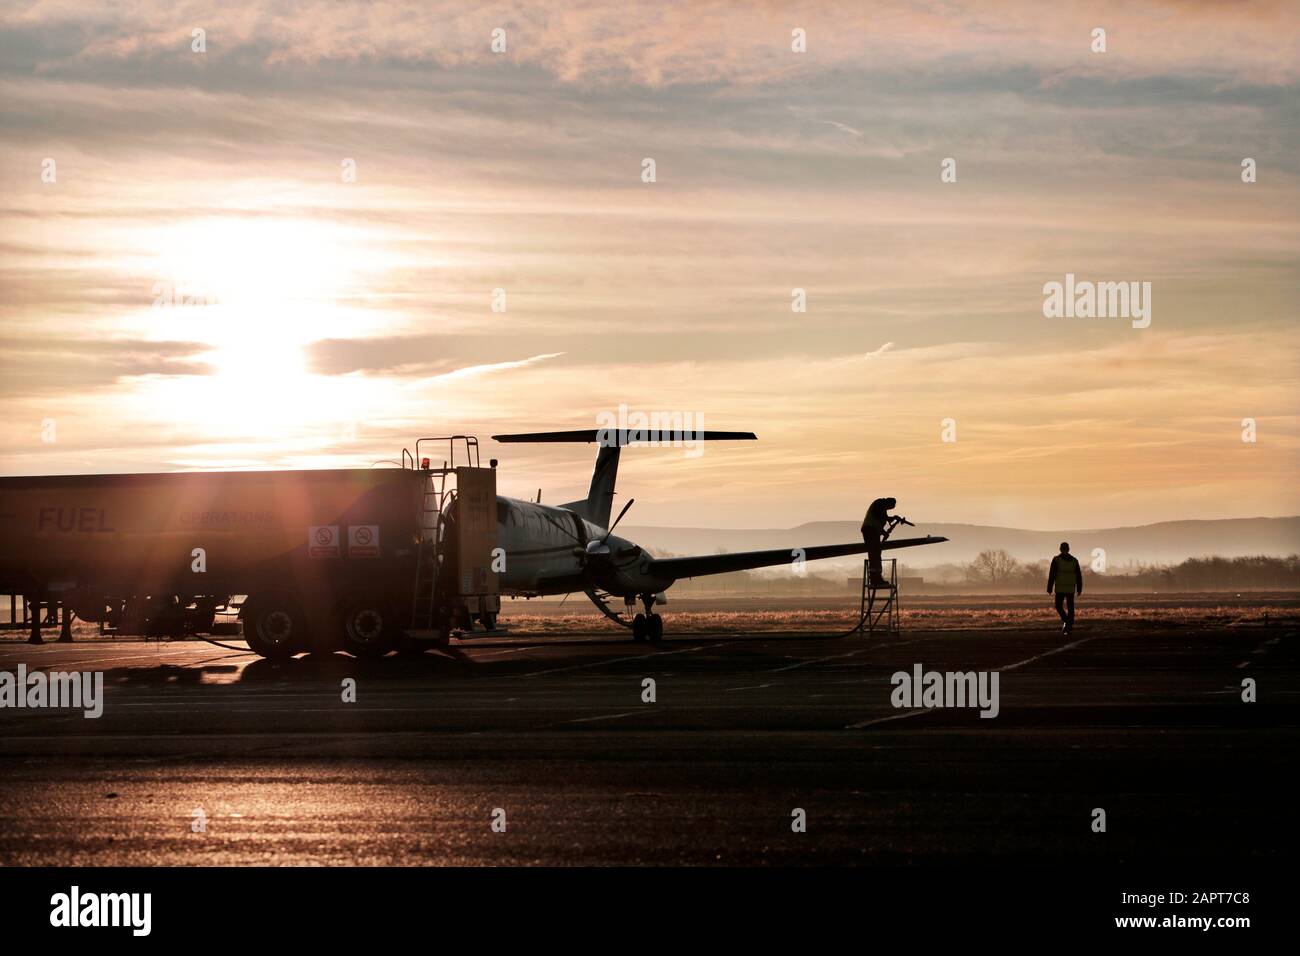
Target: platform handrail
x,y
470,443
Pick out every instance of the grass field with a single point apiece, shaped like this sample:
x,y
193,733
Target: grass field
x,y
707,616
973,612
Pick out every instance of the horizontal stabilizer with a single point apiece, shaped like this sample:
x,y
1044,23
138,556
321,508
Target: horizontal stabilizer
x,y
618,437
600,495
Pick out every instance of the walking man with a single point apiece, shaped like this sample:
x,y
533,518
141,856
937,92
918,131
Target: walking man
x,y
873,533
1067,577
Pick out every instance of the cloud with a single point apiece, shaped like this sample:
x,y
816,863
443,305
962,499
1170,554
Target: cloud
x,y
646,43
44,366
474,371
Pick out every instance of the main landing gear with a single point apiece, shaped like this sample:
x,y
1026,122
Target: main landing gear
x,y
648,626
645,627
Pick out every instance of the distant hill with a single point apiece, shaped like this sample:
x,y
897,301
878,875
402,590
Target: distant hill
x,y
1166,542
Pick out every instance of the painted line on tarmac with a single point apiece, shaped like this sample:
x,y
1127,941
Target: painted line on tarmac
x,y
621,660
1257,652
587,720
820,660
880,720
926,710
340,709
1039,657
815,660
833,657
501,651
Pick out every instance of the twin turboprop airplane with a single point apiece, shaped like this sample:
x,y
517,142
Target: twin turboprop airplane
x,y
572,547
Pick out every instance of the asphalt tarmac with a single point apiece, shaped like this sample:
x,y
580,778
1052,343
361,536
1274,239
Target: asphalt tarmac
x,y
212,756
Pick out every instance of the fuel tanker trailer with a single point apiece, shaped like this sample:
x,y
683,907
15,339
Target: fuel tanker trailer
x,y
363,560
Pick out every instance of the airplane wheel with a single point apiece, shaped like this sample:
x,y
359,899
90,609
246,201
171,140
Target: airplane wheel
x,y
639,628
655,628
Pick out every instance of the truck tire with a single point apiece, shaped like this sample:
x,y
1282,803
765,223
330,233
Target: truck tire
x,y
275,627
367,627
88,607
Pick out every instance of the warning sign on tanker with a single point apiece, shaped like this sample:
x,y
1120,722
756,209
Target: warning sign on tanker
x,y
323,541
363,541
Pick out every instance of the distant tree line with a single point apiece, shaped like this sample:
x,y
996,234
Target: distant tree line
x,y
998,569
1217,574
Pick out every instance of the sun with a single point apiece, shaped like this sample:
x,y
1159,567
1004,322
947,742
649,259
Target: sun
x,y
258,260
256,291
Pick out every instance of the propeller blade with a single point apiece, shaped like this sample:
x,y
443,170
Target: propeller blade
x,y
630,503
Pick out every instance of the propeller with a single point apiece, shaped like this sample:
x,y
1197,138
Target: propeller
x,y
600,548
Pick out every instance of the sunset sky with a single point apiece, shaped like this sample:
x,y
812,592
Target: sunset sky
x,y
309,321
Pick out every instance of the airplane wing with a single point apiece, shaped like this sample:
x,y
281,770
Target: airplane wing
x,y
703,564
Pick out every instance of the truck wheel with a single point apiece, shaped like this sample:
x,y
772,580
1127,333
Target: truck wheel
x,y
367,628
275,627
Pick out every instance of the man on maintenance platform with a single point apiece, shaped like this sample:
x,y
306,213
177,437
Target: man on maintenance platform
x,y
1066,575
873,534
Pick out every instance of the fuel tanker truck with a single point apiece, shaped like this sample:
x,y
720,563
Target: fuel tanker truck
x,y
362,560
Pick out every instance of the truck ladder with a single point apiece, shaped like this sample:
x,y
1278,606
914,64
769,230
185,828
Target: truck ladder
x,y
429,553
434,502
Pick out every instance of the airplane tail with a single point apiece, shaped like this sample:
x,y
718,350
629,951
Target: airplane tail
x,y
599,502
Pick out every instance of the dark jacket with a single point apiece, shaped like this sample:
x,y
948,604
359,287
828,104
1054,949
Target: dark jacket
x,y
1065,566
877,514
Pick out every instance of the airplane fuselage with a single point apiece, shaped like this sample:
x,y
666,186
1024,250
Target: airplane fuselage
x,y
546,553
